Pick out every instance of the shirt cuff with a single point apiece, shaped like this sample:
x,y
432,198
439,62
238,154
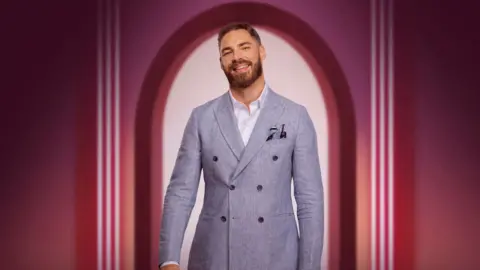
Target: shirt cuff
x,y
167,263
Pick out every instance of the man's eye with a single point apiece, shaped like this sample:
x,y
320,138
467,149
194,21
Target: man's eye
x,y
226,53
245,48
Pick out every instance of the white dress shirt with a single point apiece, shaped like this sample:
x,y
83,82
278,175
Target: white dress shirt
x,y
246,118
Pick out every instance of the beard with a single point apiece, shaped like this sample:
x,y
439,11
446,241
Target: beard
x,y
243,80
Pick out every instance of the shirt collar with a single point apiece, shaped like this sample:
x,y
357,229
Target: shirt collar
x,y
260,100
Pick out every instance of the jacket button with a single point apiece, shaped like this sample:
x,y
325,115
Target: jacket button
x,y
223,218
260,219
232,187
274,158
215,158
259,187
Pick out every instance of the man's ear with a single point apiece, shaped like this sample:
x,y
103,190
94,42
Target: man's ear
x,y
263,53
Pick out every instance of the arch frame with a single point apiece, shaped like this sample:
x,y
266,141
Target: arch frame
x,y
338,101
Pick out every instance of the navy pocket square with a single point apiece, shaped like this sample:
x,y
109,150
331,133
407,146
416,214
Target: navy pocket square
x,y
274,130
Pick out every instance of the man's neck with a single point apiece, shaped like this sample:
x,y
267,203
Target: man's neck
x,y
251,93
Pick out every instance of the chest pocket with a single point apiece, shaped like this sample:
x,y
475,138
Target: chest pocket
x,y
280,146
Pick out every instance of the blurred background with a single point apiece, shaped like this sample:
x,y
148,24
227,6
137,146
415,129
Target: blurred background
x,y
95,96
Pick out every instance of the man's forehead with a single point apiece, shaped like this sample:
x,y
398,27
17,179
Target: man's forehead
x,y
236,37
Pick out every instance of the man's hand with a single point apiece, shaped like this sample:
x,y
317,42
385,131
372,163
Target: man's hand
x,y
170,267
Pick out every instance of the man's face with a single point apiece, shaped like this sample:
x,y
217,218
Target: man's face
x,y
241,58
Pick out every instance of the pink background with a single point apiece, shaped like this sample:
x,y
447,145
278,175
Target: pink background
x,y
50,60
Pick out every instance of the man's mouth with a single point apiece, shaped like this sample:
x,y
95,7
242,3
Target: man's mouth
x,y
241,68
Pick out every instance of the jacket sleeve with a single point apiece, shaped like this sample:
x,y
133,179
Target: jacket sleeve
x,y
308,192
181,193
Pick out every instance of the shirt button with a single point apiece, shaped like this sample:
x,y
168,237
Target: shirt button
x,y
260,219
223,218
215,158
259,187
232,187
274,158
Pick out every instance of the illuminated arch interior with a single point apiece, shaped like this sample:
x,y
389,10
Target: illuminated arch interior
x,y
150,120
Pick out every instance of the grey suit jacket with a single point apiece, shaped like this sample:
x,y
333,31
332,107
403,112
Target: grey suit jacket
x,y
247,220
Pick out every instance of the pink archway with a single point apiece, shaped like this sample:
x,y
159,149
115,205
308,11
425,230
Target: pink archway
x,y
340,112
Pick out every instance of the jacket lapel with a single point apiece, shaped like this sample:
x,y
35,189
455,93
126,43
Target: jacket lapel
x,y
269,114
228,125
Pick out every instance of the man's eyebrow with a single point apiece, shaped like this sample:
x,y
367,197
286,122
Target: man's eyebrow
x,y
239,45
245,43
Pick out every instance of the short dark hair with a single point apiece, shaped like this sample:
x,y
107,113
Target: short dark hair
x,y
238,26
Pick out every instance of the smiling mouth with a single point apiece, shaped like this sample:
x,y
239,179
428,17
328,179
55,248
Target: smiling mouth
x,y
241,68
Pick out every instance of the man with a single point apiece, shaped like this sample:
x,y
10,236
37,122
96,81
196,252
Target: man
x,y
250,142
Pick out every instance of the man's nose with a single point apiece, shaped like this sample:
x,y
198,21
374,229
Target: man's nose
x,y
236,56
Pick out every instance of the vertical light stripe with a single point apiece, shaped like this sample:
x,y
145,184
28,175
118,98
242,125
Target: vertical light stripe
x,y
390,136
117,136
108,76
373,136
382,137
384,201
108,135
99,136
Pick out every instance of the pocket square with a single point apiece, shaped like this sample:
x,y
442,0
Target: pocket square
x,y
274,130
283,134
